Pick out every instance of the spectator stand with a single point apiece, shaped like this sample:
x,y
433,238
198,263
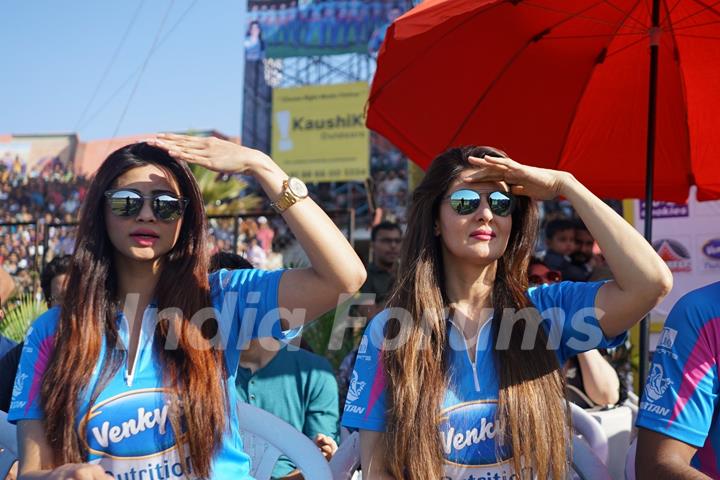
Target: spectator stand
x,y
20,253
58,239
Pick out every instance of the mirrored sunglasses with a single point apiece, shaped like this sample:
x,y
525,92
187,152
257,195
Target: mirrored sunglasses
x,y
128,203
467,201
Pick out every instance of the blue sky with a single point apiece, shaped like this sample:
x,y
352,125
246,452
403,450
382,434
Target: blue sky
x,y
53,55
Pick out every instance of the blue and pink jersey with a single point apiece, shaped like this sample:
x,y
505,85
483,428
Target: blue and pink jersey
x,y
127,428
468,413
681,394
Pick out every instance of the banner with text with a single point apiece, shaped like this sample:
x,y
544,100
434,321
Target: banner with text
x,y
282,28
687,237
319,134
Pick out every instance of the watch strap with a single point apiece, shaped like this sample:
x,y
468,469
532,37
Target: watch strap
x,y
285,200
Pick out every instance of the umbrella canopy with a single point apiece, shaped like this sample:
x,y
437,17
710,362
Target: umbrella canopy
x,y
559,84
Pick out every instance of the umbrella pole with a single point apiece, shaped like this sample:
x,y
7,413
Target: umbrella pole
x,y
649,172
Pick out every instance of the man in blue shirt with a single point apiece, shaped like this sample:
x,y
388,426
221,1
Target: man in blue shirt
x,y
679,434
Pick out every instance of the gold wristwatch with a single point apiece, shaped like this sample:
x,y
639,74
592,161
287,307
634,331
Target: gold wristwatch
x,y
294,190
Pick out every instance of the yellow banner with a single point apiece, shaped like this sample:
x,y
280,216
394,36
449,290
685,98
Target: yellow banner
x,y
319,134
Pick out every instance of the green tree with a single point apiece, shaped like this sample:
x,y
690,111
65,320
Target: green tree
x,y
223,195
20,315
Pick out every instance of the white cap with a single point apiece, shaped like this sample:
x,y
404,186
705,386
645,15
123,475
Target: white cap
x,y
262,219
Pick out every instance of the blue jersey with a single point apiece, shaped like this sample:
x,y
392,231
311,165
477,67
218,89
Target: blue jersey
x,y
127,429
468,412
681,394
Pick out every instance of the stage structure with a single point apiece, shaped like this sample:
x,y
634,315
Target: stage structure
x,y
307,45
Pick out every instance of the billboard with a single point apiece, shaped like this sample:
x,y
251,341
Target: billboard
x,y
14,155
289,28
319,134
37,155
687,238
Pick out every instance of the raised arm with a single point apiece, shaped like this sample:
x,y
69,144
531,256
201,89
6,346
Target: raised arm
x,y
641,278
335,267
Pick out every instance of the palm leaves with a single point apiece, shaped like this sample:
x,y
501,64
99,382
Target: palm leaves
x,y
19,317
223,194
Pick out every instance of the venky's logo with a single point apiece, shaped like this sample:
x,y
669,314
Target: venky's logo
x,y
676,256
130,425
469,434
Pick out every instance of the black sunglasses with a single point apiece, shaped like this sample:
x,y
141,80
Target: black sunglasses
x,y
466,201
125,202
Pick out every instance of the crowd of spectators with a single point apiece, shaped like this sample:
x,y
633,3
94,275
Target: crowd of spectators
x,y
389,172
53,193
32,199
255,239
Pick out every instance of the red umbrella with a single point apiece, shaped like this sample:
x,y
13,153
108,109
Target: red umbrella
x,y
561,84
624,94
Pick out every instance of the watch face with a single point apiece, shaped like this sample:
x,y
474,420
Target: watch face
x,y
297,187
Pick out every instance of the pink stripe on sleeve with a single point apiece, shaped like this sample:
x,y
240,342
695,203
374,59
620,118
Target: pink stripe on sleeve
x,y
701,359
45,350
378,385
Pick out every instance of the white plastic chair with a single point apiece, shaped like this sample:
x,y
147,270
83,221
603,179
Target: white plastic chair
x,y
630,461
617,423
265,437
590,431
632,403
346,460
585,463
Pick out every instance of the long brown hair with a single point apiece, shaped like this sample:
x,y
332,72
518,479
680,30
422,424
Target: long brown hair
x,y
530,409
193,372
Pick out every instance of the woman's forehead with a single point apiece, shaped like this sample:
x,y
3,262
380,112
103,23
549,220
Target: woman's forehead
x,y
148,177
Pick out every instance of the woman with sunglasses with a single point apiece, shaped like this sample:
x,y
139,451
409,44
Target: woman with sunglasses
x,y
458,352
129,377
